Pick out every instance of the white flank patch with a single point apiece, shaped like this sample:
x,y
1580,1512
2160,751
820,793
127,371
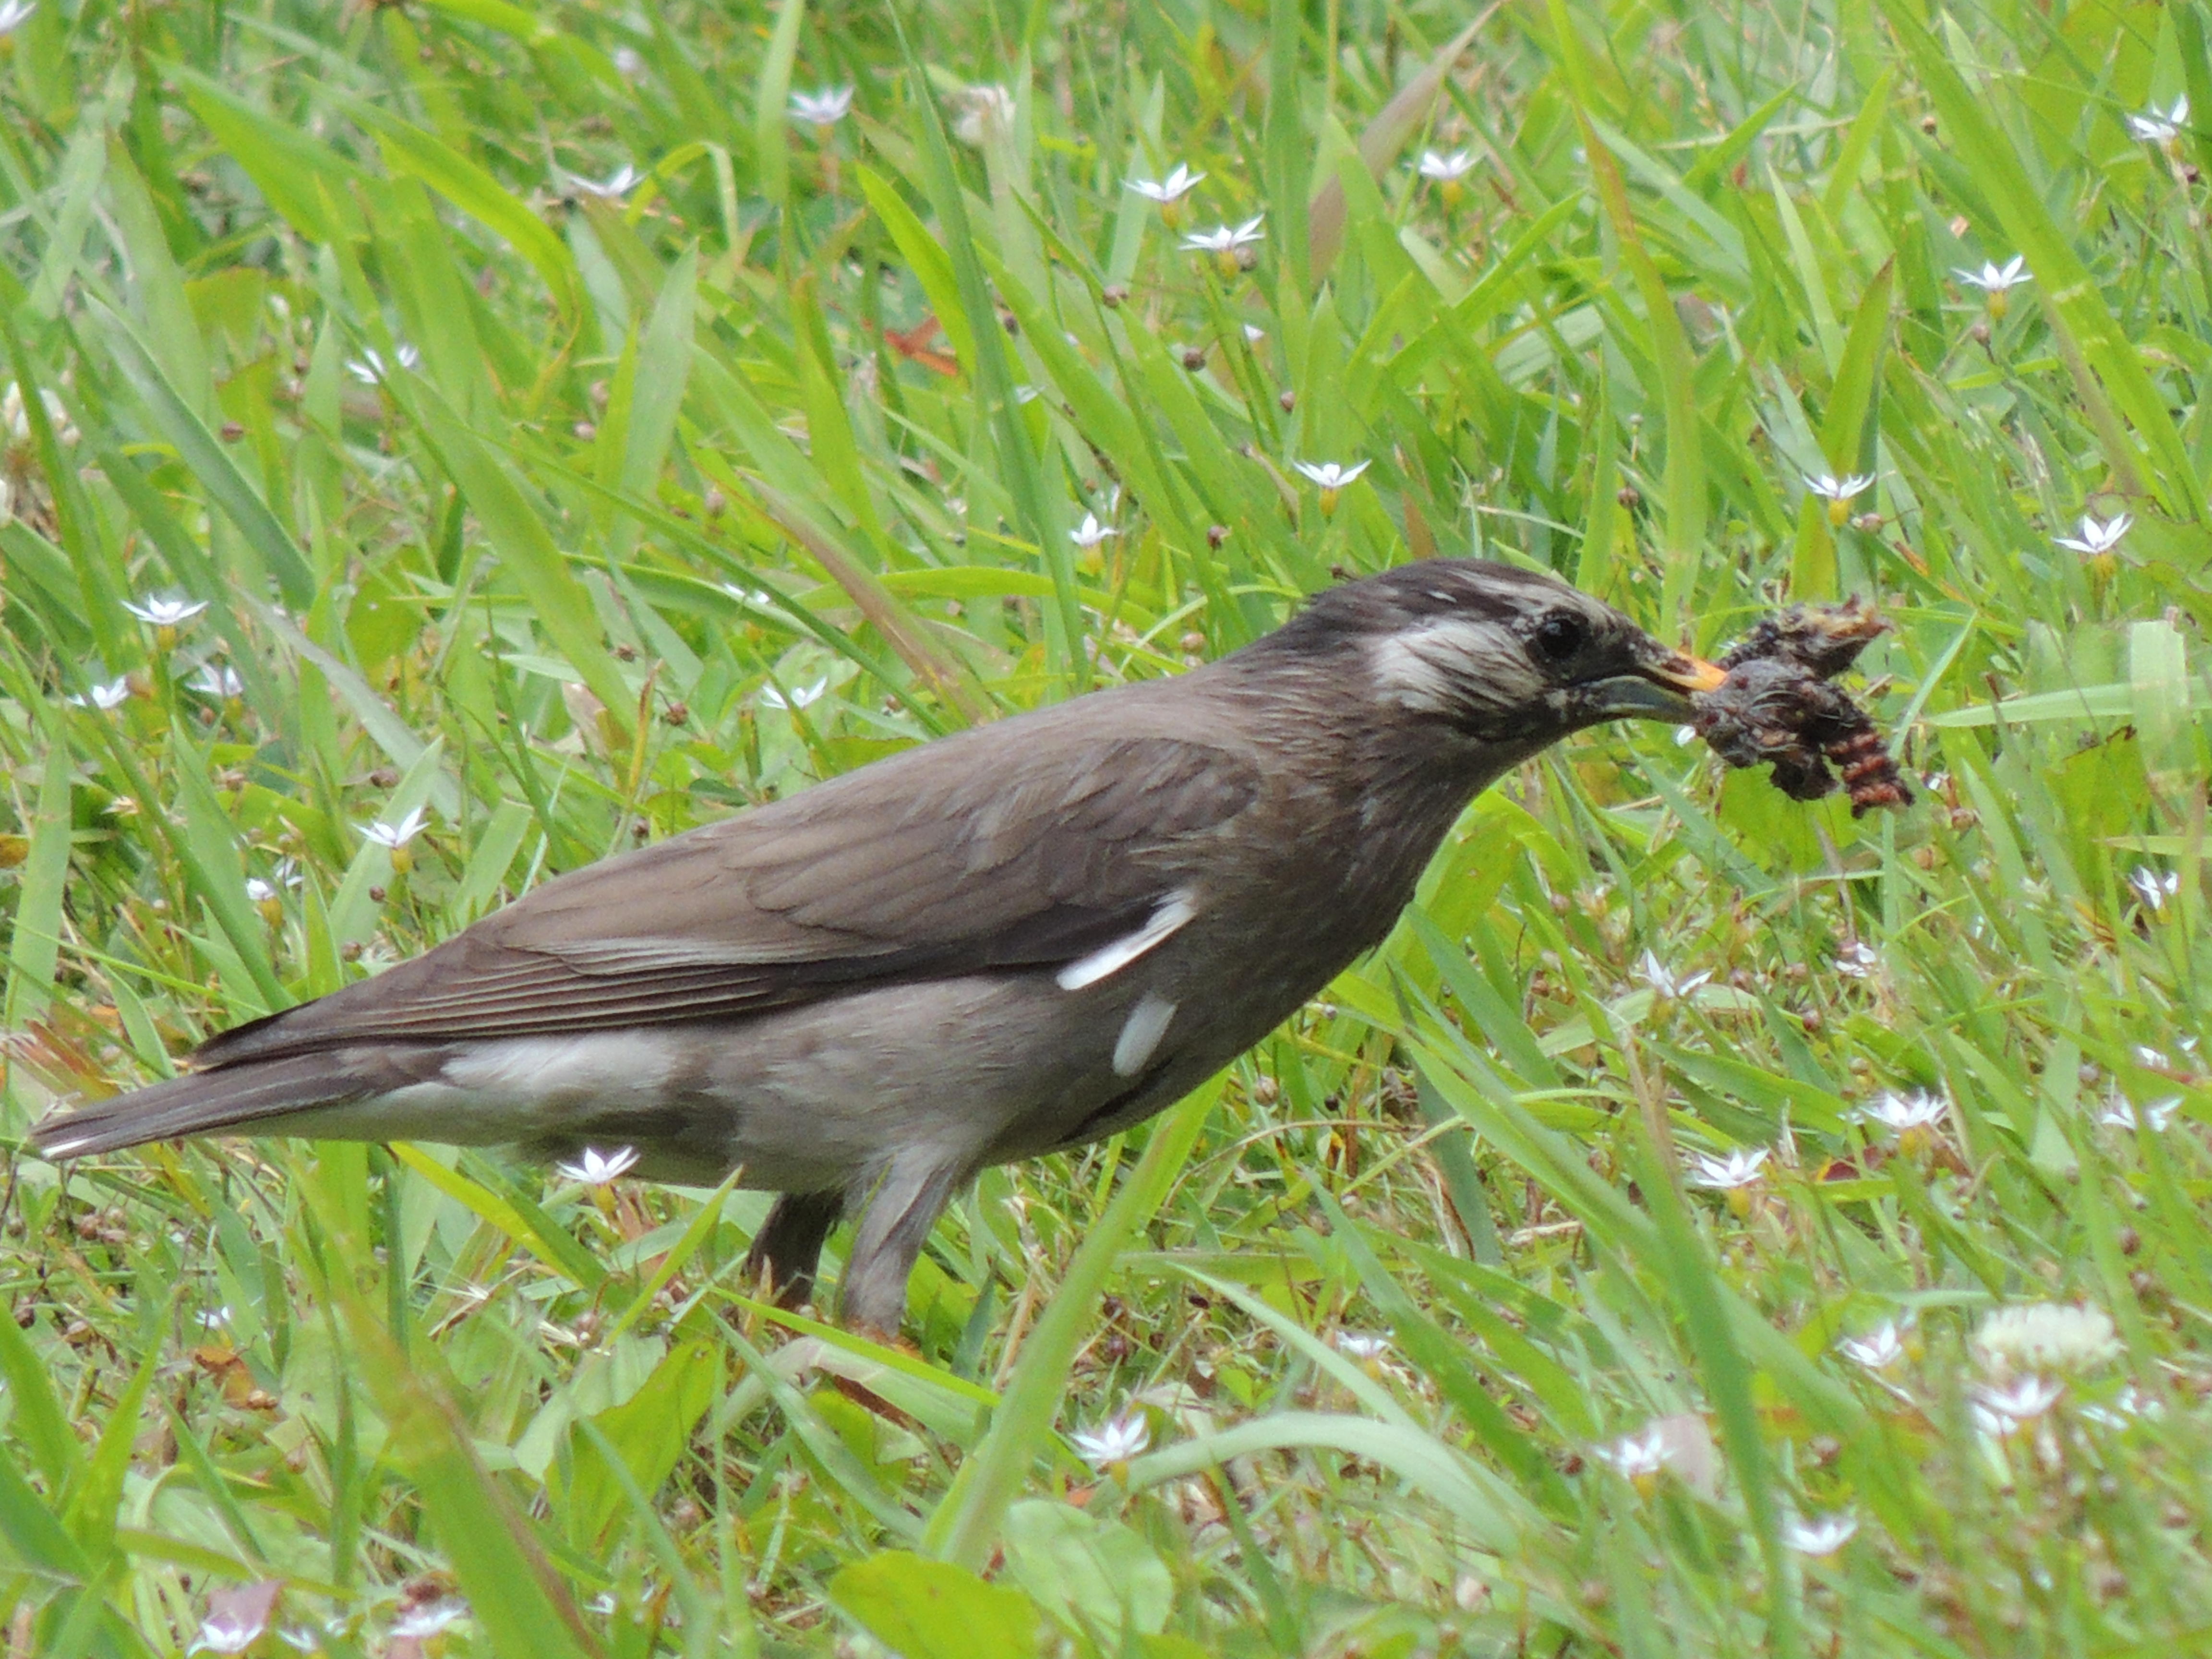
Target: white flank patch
x,y
1177,909
1141,1033
612,1064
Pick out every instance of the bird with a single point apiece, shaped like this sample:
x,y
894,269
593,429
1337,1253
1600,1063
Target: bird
x,y
1013,941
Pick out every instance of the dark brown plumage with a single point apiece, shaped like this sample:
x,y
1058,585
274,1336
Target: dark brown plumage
x,y
1018,938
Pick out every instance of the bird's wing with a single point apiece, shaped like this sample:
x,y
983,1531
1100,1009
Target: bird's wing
x,y
1044,847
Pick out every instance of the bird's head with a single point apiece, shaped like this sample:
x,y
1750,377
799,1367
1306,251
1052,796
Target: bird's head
x,y
1494,655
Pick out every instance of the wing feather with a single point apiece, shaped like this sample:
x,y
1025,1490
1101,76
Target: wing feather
x,y
1035,843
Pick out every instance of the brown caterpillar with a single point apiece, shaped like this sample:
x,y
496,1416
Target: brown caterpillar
x,y
1777,706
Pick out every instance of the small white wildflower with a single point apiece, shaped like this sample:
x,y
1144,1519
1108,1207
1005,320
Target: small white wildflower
x,y
823,109
1665,982
1229,245
1906,1114
258,891
596,1168
612,188
105,697
1638,1456
1839,493
1253,334
2128,1406
2153,125
2152,887
1114,1442
1822,1535
16,12
420,1623
215,1319
1741,1168
2152,1060
1878,1350
1090,532
1331,474
629,63
2121,1113
1445,169
986,112
396,835
370,369
2095,536
2000,1408
799,697
161,611
1993,278
217,680
1856,960
2046,1336
1363,1346
1169,190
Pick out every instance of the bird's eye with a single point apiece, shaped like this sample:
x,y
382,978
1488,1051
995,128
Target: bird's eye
x,y
1560,634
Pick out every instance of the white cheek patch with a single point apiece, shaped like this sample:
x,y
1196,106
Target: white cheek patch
x,y
1141,1033
1454,667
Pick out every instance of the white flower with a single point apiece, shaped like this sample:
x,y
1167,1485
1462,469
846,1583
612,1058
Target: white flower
x,y
596,1168
1856,960
1113,1442
1090,532
1878,1350
217,680
105,697
1331,474
799,697
369,367
1177,185
1638,1456
2152,1060
420,1623
2153,125
1903,1115
2127,1406
1253,334
2096,536
2121,1113
1996,279
821,109
1830,487
161,612
1738,1169
258,891
2000,1408
2046,1336
227,1633
1363,1346
1446,169
986,110
630,62
1223,240
612,188
1823,1536
2152,887
1665,982
16,12
396,835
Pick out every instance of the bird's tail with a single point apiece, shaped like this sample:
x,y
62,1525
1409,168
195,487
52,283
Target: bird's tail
x,y
226,1098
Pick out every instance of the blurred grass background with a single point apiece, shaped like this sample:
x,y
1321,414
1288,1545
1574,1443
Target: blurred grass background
x,y
525,433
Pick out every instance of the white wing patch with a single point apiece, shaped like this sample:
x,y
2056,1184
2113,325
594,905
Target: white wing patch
x,y
1141,1033
1177,909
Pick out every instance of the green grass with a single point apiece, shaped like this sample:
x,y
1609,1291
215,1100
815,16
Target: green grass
x,y
667,502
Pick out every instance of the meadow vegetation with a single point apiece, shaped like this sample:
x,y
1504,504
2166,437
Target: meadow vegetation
x,y
448,442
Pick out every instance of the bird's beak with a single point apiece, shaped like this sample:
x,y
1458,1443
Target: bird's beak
x,y
1658,689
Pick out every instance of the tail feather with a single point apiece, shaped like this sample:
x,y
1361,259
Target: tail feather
x,y
227,1097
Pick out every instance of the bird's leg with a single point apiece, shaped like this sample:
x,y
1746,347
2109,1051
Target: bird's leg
x,y
788,1246
898,1213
